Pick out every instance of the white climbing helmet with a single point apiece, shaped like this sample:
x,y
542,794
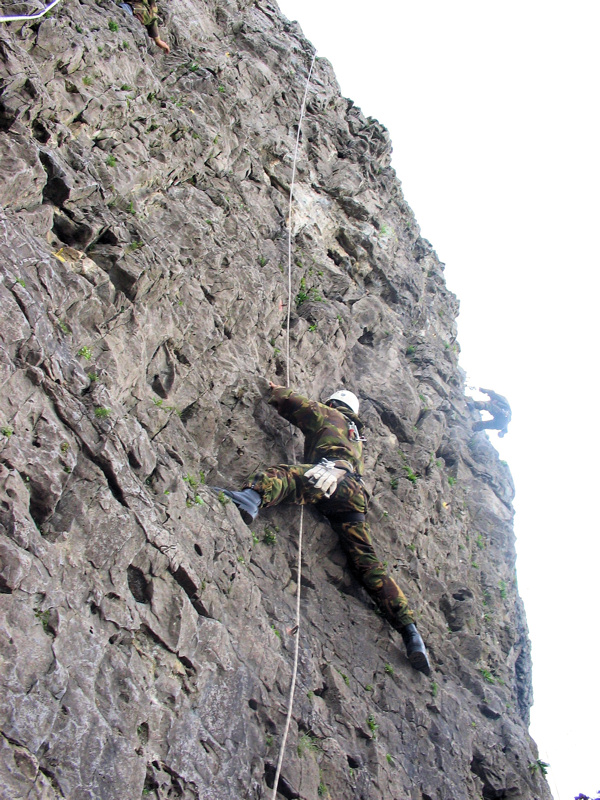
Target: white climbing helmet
x,y
348,398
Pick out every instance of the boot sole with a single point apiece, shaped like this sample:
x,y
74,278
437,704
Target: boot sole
x,y
246,515
419,662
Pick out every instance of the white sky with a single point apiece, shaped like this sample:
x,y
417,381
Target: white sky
x,y
493,110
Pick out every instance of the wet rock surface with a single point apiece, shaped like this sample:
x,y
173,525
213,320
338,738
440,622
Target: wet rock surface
x,y
147,633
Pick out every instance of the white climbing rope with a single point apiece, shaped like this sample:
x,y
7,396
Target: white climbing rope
x,y
289,308
301,531
25,17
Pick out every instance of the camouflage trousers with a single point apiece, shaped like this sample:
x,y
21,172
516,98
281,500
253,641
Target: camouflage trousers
x,y
287,484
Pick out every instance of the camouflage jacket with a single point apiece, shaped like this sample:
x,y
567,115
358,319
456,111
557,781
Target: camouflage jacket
x,y
328,432
146,11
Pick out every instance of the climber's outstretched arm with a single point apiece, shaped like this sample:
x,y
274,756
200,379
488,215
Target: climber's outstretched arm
x,y
306,414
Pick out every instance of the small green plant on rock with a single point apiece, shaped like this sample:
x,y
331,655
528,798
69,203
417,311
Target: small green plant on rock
x,y
112,26
302,295
270,537
539,766
389,669
451,480
87,80
111,161
85,352
394,484
44,618
223,499
307,744
372,725
101,412
487,675
412,476
198,501
344,676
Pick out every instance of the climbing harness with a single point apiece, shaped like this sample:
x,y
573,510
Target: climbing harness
x,y
25,17
296,628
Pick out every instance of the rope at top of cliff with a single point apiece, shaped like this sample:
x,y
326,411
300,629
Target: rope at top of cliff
x,y
25,17
300,533
291,206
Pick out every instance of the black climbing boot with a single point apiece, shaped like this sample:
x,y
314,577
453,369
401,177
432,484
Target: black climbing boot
x,y
415,648
247,501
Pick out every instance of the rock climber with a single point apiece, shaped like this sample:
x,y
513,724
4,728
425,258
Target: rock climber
x,y
331,480
146,11
498,407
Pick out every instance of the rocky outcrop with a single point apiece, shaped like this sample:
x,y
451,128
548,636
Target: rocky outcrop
x,y
147,633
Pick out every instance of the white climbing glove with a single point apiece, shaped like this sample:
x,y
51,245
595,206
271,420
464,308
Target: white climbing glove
x,y
325,476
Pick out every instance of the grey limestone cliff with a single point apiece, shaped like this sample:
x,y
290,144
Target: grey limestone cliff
x,y
146,632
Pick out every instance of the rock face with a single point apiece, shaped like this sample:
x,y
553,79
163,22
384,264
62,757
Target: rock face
x,y
147,633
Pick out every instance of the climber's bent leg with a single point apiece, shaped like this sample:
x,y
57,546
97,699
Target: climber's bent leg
x,y
284,484
390,598
356,540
